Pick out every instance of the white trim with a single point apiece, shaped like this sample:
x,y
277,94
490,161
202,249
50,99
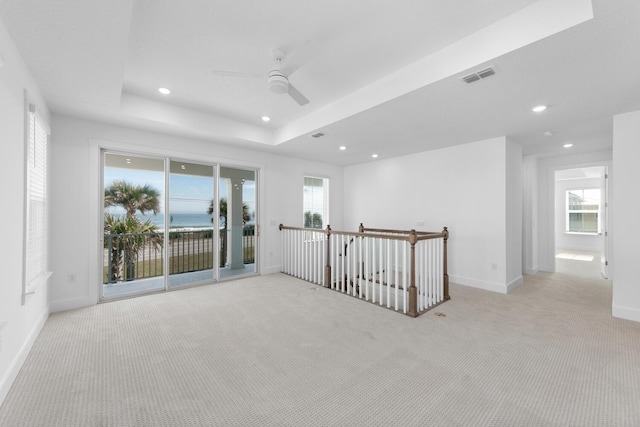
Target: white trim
x,y
579,233
72,304
95,179
500,288
21,357
511,286
625,313
33,285
272,269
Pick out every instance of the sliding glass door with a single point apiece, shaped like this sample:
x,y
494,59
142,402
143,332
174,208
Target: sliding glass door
x,y
133,249
238,229
191,227
165,226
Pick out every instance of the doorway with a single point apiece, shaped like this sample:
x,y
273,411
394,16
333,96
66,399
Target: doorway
x,y
581,235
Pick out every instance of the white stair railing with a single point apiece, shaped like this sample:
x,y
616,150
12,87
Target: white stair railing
x,y
401,270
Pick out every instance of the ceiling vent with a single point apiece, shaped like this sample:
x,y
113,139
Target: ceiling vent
x,y
317,135
482,74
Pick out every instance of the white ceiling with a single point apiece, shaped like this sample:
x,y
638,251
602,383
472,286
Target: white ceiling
x,y
381,76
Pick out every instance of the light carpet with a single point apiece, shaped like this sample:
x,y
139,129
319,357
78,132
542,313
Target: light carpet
x,y
274,350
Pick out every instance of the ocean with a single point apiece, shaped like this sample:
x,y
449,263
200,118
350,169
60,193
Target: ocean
x,y
180,220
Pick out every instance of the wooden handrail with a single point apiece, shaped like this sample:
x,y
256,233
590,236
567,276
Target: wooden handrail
x,y
420,235
363,229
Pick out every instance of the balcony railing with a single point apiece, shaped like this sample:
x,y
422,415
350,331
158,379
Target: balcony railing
x,y
136,256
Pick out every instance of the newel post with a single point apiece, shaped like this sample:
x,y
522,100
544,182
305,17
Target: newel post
x,y
361,228
327,268
413,291
445,232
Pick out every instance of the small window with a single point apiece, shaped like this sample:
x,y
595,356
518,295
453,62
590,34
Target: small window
x,y
35,233
315,202
583,211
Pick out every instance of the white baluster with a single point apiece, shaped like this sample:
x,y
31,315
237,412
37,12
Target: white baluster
x,y
373,270
397,277
367,243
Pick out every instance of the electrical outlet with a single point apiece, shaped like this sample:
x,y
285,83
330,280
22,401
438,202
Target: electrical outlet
x,y
71,278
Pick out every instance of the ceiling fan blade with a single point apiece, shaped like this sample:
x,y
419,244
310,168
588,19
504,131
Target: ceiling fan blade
x,y
297,59
225,73
297,96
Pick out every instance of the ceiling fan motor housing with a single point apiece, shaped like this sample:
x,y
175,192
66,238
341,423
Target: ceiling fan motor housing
x,y
278,82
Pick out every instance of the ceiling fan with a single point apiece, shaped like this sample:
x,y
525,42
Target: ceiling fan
x,y
277,79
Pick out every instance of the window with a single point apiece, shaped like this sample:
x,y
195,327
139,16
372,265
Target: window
x,y
583,211
315,203
35,263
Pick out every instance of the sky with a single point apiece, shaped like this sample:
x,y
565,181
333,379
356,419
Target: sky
x,y
188,194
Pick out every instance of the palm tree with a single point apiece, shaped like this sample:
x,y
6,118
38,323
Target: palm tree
x,y
223,224
312,221
124,252
126,236
132,197
223,212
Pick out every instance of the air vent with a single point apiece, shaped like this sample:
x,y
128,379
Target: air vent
x,y
471,78
317,135
482,74
487,72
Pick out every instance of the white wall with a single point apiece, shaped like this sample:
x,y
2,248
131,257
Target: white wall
x,y
530,215
514,170
462,187
626,154
19,325
579,242
546,201
76,195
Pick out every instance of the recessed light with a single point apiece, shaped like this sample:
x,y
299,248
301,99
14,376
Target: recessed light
x,y
539,108
374,156
342,147
183,167
128,161
568,145
266,118
164,91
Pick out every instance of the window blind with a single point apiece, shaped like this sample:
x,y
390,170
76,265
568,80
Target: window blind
x,y
35,264
315,202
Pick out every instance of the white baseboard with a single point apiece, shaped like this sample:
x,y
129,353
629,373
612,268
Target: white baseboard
x,y
16,365
272,269
500,288
625,313
515,283
71,304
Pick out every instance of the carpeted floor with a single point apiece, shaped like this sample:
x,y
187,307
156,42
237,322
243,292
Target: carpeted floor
x,y
274,350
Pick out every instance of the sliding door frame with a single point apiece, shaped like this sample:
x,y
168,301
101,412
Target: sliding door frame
x,y
96,219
